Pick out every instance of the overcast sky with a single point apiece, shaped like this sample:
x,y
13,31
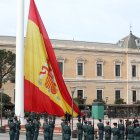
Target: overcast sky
x,y
83,20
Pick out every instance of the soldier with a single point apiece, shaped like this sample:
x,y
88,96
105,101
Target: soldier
x,y
52,125
67,131
107,130
100,129
121,129
32,116
135,122
28,128
33,129
130,131
37,126
137,132
62,127
80,129
17,128
46,129
115,132
126,125
85,129
90,131
12,129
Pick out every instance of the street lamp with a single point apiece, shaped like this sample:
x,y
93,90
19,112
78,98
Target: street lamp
x,y
72,92
1,91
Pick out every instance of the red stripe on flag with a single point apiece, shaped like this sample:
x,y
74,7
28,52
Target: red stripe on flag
x,y
37,101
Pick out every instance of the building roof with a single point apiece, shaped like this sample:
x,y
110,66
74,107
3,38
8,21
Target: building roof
x,y
130,41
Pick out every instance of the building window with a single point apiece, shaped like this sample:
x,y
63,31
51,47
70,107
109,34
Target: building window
x,y
60,64
117,94
80,93
99,70
80,68
117,70
133,70
99,94
134,95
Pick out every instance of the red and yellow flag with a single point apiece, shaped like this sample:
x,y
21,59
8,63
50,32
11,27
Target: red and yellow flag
x,y
44,87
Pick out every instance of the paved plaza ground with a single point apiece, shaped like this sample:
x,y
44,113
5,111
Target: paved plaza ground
x,y
5,136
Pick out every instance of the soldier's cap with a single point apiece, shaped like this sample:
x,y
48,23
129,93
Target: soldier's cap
x,y
107,122
28,119
115,124
85,122
89,122
10,119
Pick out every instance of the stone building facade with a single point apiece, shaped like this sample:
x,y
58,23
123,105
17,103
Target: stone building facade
x,y
97,70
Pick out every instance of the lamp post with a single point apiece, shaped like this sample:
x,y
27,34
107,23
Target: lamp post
x,y
1,91
72,92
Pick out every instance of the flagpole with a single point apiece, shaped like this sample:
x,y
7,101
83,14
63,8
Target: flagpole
x,y
19,86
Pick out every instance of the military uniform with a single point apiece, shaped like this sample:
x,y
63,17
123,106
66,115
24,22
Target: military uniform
x,y
37,126
137,132
52,125
121,129
12,129
85,129
80,130
100,130
130,131
115,132
67,132
107,130
17,129
46,128
90,132
32,130
28,128
62,127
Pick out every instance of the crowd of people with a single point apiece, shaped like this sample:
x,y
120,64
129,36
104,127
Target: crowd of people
x,y
123,130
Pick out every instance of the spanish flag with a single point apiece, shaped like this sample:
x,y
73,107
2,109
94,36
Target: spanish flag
x,y
44,87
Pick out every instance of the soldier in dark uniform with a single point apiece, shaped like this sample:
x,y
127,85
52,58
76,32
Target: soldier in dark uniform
x,y
130,131
17,128
107,130
100,129
121,129
37,126
115,132
33,129
80,129
46,129
85,129
135,121
52,125
12,129
90,131
28,128
62,127
67,131
126,125
137,132
32,116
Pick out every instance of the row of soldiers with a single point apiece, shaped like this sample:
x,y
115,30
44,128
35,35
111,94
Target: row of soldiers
x,y
129,131
32,127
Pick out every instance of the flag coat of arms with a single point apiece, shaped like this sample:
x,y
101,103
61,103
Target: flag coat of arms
x,y
44,87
